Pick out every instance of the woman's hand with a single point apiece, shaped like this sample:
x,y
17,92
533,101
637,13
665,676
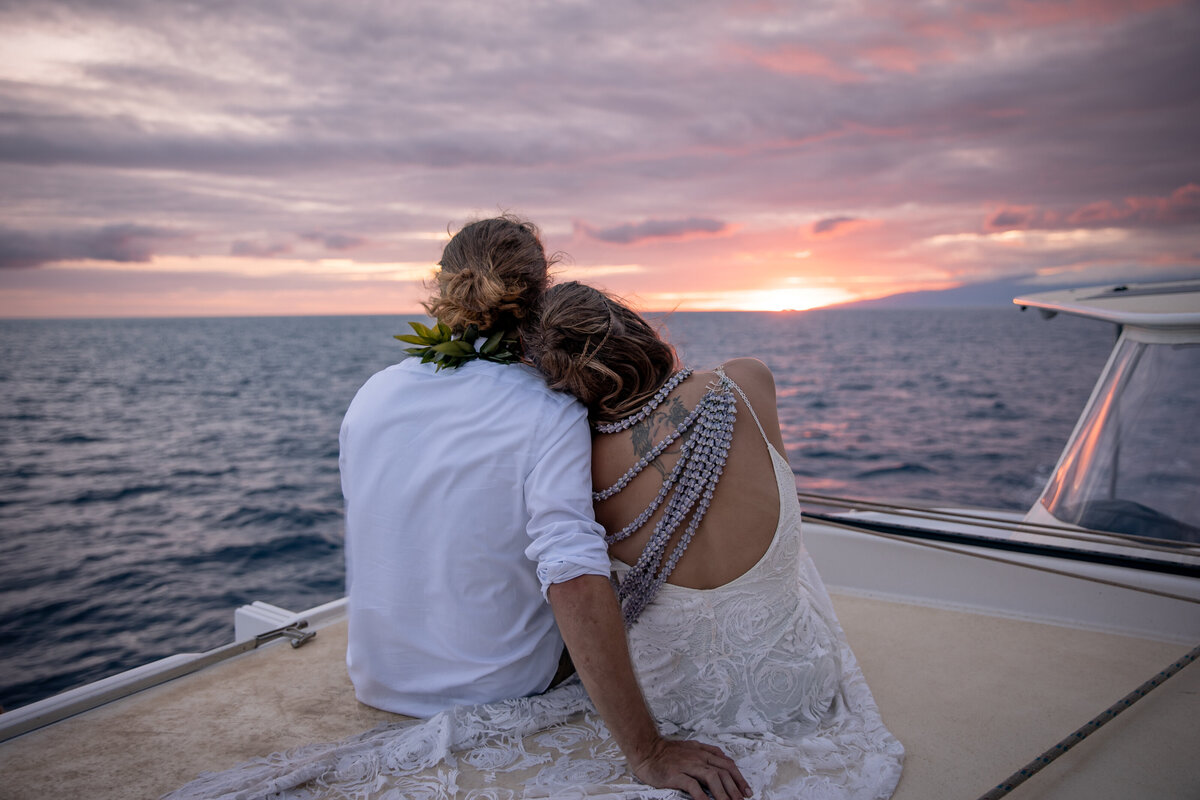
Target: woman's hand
x,y
692,767
589,619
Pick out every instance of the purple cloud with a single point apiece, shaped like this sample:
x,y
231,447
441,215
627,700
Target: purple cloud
x,y
831,224
259,249
631,233
334,241
1009,218
127,242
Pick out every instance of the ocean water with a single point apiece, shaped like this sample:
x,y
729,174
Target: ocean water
x,y
156,474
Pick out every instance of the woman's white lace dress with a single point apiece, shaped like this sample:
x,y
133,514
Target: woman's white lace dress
x,y
759,667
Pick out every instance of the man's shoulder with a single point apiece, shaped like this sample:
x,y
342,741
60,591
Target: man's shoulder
x,y
484,379
396,373
528,376
531,384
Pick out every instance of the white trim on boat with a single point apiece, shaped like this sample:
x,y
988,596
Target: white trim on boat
x,y
1153,305
252,632
861,563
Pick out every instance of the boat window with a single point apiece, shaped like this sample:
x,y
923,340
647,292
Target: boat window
x,y
1134,466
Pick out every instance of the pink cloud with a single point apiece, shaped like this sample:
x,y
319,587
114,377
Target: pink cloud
x,y
800,60
1026,14
902,39
918,36
1006,113
1180,207
964,23
896,58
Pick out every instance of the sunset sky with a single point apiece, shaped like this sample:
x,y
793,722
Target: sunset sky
x,y
304,157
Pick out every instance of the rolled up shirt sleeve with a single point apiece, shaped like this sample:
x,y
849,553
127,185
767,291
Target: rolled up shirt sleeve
x,y
567,542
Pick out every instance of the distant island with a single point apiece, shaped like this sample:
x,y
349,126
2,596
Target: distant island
x,y
1000,293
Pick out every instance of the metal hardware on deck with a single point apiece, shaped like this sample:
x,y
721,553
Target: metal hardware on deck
x,y
52,709
294,633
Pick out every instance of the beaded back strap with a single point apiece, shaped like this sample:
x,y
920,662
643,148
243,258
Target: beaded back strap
x,y
721,371
690,485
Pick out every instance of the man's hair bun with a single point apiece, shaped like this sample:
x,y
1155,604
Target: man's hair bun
x,y
493,274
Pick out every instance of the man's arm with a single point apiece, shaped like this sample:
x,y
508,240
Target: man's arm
x,y
589,619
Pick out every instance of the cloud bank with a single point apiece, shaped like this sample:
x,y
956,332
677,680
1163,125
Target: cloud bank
x,y
700,142
125,242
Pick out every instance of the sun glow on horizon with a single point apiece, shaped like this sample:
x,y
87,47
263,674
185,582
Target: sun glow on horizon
x,y
784,299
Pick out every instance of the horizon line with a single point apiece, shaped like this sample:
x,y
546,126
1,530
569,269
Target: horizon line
x,y
656,312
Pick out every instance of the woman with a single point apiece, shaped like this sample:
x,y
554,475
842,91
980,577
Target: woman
x,y
730,628
615,363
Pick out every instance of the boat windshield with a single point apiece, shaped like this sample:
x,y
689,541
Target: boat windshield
x,y
1134,466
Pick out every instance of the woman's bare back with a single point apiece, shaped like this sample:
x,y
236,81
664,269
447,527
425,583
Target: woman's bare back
x,y
741,521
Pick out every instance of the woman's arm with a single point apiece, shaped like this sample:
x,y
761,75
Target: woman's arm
x,y
589,619
573,567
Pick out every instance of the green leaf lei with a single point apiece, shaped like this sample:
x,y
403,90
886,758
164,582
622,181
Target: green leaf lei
x,y
438,345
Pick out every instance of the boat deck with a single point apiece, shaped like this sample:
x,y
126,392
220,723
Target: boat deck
x,y
971,697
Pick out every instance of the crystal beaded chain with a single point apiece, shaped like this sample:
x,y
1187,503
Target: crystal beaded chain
x,y
653,403
690,485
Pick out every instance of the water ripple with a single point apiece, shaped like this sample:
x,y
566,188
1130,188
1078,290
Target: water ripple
x,y
156,474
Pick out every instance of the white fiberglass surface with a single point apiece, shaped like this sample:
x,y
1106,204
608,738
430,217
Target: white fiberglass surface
x,y
1134,465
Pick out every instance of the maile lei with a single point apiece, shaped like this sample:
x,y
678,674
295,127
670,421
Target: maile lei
x,y
439,345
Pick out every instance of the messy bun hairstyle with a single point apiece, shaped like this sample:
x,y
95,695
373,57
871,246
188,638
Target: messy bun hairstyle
x,y
594,347
493,275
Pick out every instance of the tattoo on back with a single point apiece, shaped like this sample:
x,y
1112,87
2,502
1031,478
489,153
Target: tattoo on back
x,y
661,423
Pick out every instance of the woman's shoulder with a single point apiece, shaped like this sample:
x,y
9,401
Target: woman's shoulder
x,y
751,374
756,380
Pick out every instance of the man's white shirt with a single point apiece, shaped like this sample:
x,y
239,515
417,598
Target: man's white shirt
x,y
468,493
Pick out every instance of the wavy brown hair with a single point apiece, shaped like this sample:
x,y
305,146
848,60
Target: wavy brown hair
x,y
493,275
593,346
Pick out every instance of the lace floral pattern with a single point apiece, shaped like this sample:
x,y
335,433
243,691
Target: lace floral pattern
x,y
759,667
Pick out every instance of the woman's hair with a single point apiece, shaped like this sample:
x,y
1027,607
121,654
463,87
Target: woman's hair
x,y
599,350
493,275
